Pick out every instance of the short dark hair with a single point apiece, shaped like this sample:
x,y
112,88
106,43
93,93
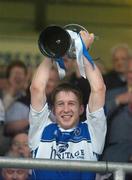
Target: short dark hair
x,y
15,63
67,87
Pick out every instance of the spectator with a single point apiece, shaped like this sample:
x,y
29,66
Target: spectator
x,y
119,108
19,145
17,116
14,173
116,77
16,74
56,140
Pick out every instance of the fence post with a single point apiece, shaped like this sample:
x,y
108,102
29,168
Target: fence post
x,y
119,174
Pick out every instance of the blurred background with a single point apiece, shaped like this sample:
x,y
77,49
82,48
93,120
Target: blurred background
x,y
21,21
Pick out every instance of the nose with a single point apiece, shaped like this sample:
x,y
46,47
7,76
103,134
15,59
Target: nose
x,y
66,108
20,146
14,176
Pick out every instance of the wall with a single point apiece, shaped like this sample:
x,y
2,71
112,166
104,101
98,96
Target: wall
x,y
109,20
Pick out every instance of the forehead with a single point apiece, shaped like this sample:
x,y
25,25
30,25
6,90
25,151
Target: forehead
x,y
120,53
17,68
15,169
121,50
66,95
21,137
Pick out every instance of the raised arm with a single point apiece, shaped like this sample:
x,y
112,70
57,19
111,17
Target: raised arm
x,y
97,94
38,85
94,76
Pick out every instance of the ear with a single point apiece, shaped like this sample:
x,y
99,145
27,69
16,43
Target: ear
x,y
81,110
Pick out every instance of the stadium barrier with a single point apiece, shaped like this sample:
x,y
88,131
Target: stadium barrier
x,y
118,169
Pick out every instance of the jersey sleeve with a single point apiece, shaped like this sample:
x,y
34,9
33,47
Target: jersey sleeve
x,y
38,121
97,128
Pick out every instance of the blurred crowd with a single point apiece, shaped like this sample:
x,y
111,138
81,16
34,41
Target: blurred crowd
x,y
15,104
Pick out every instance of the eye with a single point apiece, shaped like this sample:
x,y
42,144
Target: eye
x,y
59,104
10,171
72,103
20,171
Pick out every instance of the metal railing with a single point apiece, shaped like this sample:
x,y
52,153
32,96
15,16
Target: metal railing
x,y
118,169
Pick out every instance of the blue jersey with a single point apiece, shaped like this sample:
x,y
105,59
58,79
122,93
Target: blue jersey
x,y
62,175
83,142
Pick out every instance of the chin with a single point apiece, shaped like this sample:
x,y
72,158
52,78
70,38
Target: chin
x,y
66,126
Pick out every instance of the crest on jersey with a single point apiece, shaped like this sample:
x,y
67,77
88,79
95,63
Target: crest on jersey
x,y
77,131
62,147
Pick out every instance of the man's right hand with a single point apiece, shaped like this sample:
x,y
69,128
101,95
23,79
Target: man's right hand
x,y
87,38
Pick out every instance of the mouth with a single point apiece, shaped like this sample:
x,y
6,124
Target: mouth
x,y
66,117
